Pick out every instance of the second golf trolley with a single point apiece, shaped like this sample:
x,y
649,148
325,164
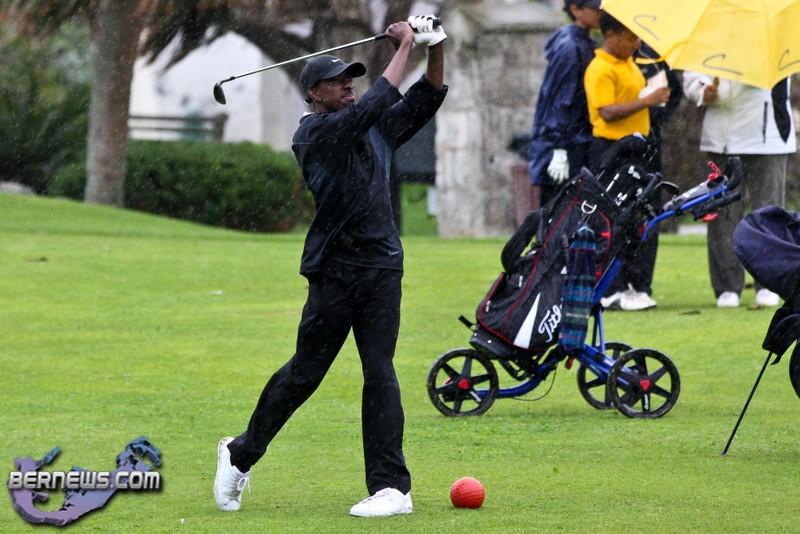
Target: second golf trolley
x,y
538,311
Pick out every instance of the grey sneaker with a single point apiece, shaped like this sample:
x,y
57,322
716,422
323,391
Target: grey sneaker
x,y
229,482
388,501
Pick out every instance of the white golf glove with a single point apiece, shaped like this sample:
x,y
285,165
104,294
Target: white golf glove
x,y
424,32
559,166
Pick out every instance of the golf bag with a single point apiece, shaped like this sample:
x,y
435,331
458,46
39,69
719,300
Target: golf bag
x,y
767,242
524,305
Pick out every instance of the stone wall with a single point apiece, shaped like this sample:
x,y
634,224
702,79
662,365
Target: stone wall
x,y
495,64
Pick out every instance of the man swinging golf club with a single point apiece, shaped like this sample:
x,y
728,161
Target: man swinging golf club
x,y
353,260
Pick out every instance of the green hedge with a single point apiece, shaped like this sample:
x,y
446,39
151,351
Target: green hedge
x,y
44,105
243,186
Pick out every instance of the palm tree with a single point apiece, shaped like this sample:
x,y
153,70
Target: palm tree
x,y
116,27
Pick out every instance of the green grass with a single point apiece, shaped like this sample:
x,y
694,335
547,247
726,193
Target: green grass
x,y
415,218
116,324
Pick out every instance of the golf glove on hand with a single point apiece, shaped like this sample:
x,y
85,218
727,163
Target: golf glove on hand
x,y
424,32
558,169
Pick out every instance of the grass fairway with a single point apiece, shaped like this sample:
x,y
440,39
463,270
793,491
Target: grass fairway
x,y
116,324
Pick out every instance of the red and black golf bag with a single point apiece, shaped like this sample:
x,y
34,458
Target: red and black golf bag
x,y
523,308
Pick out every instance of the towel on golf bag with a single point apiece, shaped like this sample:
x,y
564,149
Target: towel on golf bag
x,y
767,242
576,302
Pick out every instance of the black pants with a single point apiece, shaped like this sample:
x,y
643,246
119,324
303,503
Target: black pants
x,y
340,298
763,185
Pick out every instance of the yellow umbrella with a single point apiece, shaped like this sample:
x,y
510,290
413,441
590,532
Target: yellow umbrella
x,y
756,42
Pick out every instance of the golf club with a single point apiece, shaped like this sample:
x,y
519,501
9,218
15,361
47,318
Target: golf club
x,y
219,94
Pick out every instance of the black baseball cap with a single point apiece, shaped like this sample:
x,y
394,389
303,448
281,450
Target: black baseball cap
x,y
324,67
581,3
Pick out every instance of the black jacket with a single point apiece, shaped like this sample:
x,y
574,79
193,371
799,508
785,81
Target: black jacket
x,y
345,157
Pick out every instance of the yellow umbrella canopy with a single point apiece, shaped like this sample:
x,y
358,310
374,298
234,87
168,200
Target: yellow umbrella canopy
x,y
756,42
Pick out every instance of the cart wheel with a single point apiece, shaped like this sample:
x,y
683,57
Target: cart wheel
x,y
452,383
589,386
794,369
643,383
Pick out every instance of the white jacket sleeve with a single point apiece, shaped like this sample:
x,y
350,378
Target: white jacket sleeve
x,y
694,85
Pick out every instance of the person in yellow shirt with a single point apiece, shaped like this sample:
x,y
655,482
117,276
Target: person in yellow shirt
x,y
613,83
619,107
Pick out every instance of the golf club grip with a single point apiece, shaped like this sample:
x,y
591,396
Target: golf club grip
x,y
650,187
436,23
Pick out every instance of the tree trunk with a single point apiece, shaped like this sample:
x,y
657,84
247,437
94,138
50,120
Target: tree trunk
x,y
116,38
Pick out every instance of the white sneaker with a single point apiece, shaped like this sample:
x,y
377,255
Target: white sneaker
x,y
765,297
229,482
388,501
633,300
612,302
728,299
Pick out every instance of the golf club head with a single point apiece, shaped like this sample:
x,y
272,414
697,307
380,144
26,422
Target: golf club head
x,y
219,94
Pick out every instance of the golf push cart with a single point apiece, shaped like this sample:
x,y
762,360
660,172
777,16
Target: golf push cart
x,y
538,311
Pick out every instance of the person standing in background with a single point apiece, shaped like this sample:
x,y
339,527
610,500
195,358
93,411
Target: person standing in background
x,y
613,85
561,131
755,125
639,273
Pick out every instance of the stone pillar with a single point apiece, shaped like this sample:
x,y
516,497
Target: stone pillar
x,y
494,67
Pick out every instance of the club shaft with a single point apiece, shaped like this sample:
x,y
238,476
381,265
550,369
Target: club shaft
x,y
308,56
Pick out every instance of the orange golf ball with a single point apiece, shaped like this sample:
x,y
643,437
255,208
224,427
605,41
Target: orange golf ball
x,y
467,492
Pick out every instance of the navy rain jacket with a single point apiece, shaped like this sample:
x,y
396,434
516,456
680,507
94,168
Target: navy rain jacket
x,y
561,119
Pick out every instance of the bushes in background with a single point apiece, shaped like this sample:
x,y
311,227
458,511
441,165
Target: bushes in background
x,y
44,114
44,103
242,186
